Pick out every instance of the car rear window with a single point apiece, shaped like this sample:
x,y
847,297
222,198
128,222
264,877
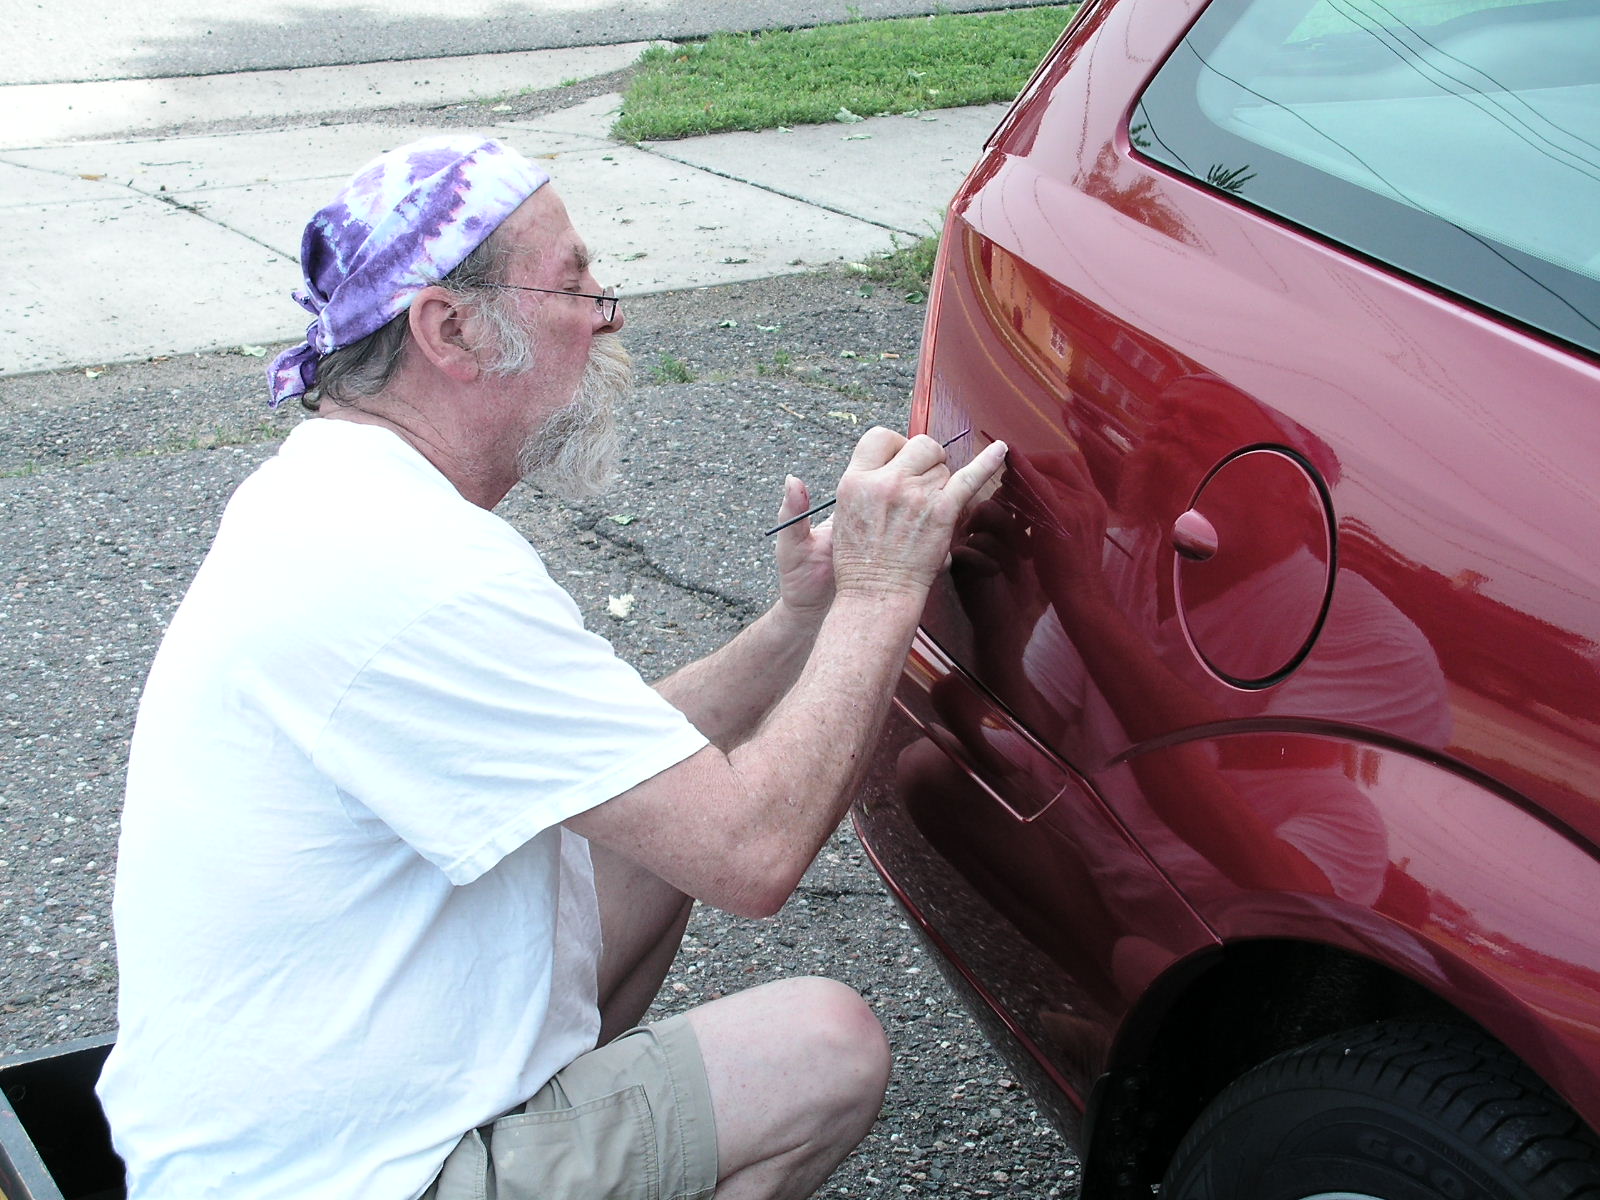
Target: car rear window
x,y
1456,140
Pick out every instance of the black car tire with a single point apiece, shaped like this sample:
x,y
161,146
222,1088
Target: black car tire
x,y
1398,1111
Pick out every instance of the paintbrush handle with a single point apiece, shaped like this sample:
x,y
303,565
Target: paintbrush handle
x,y
811,512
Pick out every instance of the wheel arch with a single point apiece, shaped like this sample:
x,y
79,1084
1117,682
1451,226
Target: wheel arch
x,y
1484,914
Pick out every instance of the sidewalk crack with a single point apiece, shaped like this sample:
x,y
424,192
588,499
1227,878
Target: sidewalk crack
x,y
194,209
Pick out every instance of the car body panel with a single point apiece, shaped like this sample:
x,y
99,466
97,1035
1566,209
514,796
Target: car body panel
x,y
1382,737
1435,875
1027,894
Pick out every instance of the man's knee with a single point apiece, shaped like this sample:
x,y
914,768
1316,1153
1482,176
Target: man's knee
x,y
835,1029
797,1071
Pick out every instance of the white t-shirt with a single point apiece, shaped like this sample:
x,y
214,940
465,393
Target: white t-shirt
x,y
349,924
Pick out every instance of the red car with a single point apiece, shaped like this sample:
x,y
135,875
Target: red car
x,y
1246,769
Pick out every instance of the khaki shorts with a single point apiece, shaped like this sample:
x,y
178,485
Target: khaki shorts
x,y
630,1120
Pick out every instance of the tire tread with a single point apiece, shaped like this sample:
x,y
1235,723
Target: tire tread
x,y
1460,1078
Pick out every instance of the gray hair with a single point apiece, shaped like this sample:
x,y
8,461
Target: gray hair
x,y
364,368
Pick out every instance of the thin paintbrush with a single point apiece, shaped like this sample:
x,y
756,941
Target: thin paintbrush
x,y
811,512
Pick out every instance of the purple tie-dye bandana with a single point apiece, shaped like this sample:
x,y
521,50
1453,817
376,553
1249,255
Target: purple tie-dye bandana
x,y
402,222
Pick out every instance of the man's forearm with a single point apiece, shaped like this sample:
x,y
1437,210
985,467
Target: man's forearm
x,y
737,828
808,754
727,693
745,824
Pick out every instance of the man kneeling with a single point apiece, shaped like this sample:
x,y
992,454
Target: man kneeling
x,y
406,851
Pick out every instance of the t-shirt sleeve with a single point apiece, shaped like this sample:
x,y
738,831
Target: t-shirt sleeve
x,y
494,716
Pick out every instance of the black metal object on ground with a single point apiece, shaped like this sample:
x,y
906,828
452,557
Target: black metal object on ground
x,y
54,1142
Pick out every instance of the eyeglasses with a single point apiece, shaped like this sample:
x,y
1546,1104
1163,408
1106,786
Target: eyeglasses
x,y
605,302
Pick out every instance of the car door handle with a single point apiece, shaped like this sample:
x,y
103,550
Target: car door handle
x,y
1194,537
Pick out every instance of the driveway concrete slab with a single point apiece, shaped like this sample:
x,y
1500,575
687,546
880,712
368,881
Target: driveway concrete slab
x,y
592,118
272,214
898,171
142,278
181,165
656,225
53,113
190,165
175,244
28,187
217,271
234,180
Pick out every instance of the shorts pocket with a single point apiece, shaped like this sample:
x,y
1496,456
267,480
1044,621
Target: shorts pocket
x,y
604,1148
465,1173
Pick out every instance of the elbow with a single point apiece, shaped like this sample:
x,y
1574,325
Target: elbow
x,y
757,906
751,901
763,882
763,849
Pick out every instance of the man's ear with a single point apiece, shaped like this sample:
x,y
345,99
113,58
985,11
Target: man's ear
x,y
438,332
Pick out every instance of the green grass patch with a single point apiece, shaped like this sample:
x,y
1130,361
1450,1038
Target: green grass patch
x,y
807,76
782,364
907,269
672,370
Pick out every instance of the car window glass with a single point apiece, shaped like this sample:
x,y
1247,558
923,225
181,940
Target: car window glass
x,y
1458,140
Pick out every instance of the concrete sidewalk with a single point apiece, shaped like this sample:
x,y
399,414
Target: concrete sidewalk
x,y
130,238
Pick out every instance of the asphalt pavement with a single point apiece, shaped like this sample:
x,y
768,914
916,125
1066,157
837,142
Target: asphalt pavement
x,y
155,261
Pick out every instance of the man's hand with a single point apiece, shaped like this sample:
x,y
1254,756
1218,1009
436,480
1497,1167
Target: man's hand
x,y
737,824
898,507
805,557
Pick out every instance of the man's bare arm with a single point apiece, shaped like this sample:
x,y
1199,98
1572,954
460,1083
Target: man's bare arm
x,y
738,828
727,693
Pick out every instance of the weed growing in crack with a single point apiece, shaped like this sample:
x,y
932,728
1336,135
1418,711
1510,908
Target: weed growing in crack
x,y
672,370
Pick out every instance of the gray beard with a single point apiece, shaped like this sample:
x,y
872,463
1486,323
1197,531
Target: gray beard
x,y
574,453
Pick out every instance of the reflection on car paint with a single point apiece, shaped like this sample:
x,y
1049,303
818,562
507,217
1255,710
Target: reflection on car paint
x,y
1367,721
